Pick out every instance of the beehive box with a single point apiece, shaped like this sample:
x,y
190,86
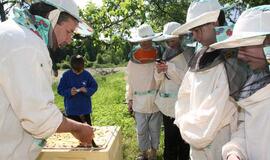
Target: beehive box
x,y
63,146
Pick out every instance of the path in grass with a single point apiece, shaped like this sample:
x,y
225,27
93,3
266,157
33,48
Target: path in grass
x,y
109,109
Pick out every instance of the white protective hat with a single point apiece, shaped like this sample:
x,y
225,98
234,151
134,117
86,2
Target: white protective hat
x,y
144,33
200,12
167,31
250,29
71,8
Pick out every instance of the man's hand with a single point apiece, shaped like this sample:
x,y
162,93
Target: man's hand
x,y
161,67
73,91
84,134
82,131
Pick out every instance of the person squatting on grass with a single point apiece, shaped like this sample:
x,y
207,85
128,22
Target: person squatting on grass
x,y
141,91
28,114
205,112
169,73
251,35
77,86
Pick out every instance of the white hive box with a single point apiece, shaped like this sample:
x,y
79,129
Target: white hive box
x,y
63,146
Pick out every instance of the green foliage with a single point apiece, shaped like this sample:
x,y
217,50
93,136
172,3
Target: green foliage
x,y
162,12
58,100
68,58
112,23
251,3
109,109
88,64
100,59
64,65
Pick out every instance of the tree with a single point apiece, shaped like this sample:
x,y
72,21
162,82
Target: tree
x,y
112,23
2,10
6,5
162,12
115,18
251,3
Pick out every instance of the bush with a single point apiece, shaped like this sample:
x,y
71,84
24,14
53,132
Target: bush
x,y
67,58
88,64
65,65
100,59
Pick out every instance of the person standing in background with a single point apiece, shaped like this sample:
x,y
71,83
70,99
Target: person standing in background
x,y
169,73
141,92
77,86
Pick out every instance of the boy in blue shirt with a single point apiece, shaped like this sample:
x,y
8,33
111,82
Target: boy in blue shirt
x,y
77,86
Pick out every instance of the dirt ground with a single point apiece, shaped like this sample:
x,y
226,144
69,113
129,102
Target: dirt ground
x,y
102,71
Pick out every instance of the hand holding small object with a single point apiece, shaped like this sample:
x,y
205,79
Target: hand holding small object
x,y
83,89
73,91
161,66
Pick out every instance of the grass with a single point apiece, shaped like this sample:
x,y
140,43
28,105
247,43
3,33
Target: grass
x,y
109,109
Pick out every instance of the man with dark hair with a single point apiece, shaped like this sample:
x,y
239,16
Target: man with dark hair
x,y
28,114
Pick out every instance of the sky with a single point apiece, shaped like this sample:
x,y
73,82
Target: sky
x,y
82,3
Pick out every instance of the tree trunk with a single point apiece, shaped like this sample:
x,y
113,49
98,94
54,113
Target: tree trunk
x,y
2,12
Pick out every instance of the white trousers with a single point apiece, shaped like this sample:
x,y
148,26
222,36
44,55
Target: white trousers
x,y
148,129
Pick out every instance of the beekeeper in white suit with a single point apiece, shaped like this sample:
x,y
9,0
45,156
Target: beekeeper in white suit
x,y
141,92
251,35
28,114
205,111
169,73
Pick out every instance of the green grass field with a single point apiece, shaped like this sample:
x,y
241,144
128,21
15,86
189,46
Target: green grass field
x,y
109,109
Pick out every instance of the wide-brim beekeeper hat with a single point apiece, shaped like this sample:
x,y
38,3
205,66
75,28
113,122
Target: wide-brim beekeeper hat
x,y
200,12
144,33
250,29
70,7
167,31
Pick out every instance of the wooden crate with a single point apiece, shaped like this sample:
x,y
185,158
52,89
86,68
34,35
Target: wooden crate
x,y
111,150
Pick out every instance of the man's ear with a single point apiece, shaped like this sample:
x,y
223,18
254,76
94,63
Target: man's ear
x,y
216,24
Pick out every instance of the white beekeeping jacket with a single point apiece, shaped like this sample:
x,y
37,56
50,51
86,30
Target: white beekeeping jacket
x,y
168,88
27,110
141,87
204,106
251,141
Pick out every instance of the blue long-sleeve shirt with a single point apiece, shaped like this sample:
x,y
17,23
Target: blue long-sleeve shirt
x,y
80,103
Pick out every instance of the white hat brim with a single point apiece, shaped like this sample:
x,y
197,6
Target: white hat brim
x,y
141,39
164,37
246,39
84,29
198,21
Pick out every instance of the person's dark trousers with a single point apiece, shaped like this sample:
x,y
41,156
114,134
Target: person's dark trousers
x,y
175,147
82,118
